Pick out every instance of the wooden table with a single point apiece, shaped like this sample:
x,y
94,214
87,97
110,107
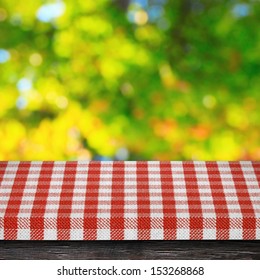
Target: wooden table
x,y
90,250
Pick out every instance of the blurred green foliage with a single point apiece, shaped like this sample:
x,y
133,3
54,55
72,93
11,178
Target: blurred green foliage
x,y
152,80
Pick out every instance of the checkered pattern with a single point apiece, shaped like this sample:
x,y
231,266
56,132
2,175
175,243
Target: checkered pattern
x,y
91,200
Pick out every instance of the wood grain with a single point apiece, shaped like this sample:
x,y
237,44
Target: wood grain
x,y
89,250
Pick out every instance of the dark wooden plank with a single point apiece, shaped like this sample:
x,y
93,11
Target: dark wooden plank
x,y
130,250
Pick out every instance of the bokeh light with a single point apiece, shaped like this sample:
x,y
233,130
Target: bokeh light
x,y
129,80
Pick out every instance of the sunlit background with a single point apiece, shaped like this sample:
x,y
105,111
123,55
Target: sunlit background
x,y
129,80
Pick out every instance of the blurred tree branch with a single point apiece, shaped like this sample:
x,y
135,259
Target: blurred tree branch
x,y
122,4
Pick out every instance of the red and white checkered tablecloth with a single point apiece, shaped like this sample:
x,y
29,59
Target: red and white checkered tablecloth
x,y
131,200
